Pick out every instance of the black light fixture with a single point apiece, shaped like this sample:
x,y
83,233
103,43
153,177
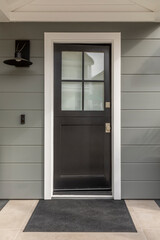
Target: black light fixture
x,y
22,54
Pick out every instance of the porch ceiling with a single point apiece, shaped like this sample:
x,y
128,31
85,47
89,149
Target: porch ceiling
x,y
79,10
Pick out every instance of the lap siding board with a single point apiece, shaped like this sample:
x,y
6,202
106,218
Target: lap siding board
x,y
21,91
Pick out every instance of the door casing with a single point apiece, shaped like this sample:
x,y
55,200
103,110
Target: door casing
x,y
97,38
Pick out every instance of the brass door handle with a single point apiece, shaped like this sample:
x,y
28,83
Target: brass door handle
x,y
107,127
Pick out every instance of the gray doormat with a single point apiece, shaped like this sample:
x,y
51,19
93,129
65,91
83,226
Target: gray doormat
x,y
3,203
158,202
80,215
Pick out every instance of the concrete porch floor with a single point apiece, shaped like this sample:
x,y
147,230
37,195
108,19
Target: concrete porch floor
x,y
15,215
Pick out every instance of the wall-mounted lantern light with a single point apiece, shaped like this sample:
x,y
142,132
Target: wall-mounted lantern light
x,y
22,54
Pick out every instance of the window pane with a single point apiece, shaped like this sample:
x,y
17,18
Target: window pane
x,y
71,96
93,96
93,66
71,66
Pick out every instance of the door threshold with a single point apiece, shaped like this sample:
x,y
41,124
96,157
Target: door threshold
x,y
66,196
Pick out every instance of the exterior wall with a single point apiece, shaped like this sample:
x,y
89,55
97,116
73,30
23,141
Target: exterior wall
x,y
21,92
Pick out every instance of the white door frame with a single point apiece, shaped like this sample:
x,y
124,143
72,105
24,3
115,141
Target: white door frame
x,y
115,40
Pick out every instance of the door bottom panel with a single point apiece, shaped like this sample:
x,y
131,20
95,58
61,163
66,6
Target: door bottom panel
x,y
74,182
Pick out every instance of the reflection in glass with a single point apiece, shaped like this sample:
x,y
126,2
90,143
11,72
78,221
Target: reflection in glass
x,y
94,96
71,66
93,66
71,96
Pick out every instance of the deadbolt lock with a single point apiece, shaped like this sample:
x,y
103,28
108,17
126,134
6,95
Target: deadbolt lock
x,y
107,127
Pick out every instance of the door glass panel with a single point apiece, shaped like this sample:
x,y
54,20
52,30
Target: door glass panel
x,y
71,96
94,96
93,66
71,66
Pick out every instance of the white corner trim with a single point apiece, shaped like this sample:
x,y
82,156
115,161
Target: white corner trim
x,y
48,119
116,118
115,40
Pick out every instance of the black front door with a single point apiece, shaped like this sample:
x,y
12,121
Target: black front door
x,y
82,96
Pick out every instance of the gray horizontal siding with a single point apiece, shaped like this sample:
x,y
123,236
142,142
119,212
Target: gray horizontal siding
x,y
140,83
21,172
21,101
35,69
36,30
140,65
140,189
21,136
141,171
148,100
140,154
37,48
134,48
21,91
19,83
12,118
141,136
21,189
21,146
140,118
21,154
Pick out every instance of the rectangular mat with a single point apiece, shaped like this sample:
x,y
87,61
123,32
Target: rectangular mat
x,y
80,215
158,202
2,204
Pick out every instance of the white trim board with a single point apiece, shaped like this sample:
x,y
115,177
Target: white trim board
x,y
115,40
82,196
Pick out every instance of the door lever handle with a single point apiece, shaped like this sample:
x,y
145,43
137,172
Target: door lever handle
x,y
107,127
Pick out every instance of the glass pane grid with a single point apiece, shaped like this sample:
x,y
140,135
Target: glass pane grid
x,y
93,66
94,96
71,93
82,86
71,65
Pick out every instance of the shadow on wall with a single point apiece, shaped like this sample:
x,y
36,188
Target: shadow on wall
x,y
36,30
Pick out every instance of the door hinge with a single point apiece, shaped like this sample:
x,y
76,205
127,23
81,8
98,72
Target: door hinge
x,y
107,127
